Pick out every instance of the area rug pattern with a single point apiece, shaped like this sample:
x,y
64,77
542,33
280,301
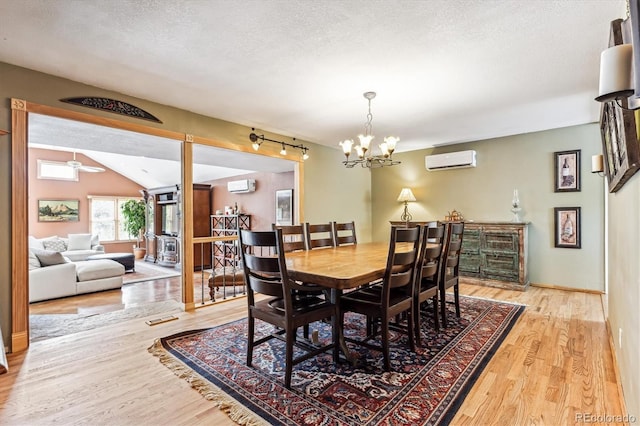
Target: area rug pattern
x,y
424,388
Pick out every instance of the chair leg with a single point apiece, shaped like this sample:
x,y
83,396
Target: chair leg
x,y
305,331
385,343
410,328
456,296
436,323
288,358
416,322
443,307
336,337
250,333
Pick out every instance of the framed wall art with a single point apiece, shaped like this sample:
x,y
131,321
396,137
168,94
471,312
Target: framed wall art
x,y
58,210
567,227
284,207
567,171
620,146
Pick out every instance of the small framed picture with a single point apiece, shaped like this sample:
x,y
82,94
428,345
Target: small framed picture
x,y
567,227
567,170
284,207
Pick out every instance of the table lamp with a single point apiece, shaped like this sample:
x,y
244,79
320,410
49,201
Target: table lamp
x,y
405,196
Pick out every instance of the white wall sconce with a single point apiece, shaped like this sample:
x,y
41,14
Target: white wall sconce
x,y
597,164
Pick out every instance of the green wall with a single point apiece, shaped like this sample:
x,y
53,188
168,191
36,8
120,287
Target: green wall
x,y
525,162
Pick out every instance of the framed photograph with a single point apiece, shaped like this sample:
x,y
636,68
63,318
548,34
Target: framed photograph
x,y
567,227
58,210
567,171
284,207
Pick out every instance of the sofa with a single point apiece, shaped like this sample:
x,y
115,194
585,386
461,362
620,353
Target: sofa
x,y
53,275
74,246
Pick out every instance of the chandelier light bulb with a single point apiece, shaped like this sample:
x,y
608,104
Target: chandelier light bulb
x,y
384,149
360,151
391,142
346,146
365,141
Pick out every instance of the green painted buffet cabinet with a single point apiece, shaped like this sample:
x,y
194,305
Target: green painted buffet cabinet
x,y
495,254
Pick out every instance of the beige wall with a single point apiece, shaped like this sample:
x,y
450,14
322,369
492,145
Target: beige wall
x,y
525,162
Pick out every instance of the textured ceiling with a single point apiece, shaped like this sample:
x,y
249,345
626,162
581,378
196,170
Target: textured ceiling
x,y
445,71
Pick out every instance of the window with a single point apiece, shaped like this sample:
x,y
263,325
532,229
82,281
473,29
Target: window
x,y
56,170
106,218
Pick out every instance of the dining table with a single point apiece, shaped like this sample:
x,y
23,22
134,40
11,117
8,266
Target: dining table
x,y
338,269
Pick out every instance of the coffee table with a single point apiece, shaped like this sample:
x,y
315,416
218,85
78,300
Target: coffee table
x,y
125,259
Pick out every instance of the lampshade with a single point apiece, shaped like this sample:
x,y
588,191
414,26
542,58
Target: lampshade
x,y
406,195
616,73
597,163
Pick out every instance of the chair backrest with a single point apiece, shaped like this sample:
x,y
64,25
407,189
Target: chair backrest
x,y
319,235
344,233
431,249
265,269
452,250
294,237
401,260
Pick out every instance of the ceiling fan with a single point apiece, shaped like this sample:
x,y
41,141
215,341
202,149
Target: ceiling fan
x,y
78,166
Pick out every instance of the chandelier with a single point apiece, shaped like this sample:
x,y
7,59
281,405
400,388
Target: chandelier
x,y
365,156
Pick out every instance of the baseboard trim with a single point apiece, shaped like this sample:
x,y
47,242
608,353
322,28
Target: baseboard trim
x,y
19,341
616,370
559,287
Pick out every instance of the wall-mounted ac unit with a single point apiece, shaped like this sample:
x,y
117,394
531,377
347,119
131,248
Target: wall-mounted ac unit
x,y
245,185
451,160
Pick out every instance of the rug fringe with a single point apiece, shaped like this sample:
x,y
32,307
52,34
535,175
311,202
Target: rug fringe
x,y
236,411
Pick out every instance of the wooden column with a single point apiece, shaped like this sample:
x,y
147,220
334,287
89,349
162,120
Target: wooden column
x,y
19,227
186,189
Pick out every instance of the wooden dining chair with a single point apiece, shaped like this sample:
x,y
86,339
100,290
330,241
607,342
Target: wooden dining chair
x,y
294,237
449,276
265,272
319,235
428,275
383,302
344,233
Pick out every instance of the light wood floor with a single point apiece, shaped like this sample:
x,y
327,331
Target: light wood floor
x,y
555,363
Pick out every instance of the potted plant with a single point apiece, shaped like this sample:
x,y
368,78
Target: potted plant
x,y
134,214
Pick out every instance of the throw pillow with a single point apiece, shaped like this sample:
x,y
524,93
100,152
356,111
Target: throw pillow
x,y
34,263
79,242
54,245
35,243
49,257
95,240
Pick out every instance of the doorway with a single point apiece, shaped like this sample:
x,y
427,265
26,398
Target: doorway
x,y
20,200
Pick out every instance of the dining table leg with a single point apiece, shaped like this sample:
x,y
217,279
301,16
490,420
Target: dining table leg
x,y
336,294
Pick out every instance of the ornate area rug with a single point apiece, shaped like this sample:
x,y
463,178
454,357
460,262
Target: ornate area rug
x,y
424,388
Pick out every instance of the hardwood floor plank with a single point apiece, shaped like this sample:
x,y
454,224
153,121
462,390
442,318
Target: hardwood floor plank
x,y
555,363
